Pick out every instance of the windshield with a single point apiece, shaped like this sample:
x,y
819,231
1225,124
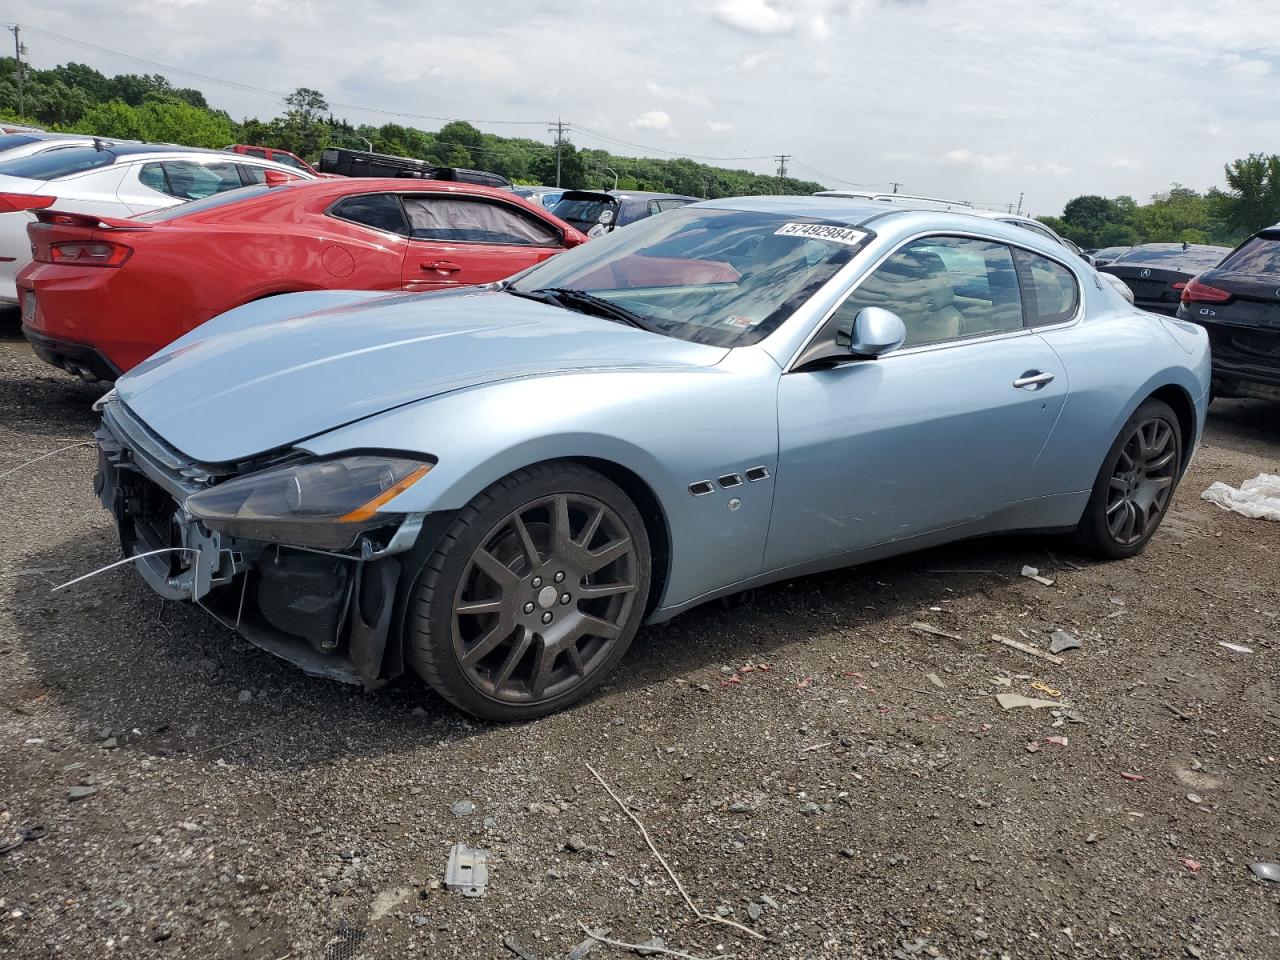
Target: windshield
x,y
58,163
722,277
208,203
585,214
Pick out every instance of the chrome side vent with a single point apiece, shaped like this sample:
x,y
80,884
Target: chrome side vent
x,y
756,474
730,480
701,488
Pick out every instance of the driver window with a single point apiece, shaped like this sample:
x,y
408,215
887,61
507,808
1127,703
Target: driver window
x,y
943,288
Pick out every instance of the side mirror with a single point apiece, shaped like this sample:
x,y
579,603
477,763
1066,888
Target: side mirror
x,y
574,239
874,332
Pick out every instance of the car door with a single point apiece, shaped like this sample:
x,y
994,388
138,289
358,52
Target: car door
x,y
456,240
943,431
367,235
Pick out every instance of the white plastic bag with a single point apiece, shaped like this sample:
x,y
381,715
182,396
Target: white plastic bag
x,y
1258,498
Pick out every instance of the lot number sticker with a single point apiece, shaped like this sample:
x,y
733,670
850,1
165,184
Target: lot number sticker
x,y
851,236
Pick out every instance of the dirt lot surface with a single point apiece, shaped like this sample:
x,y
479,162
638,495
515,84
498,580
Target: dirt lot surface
x,y
842,802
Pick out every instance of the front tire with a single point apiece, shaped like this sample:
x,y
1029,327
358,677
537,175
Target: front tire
x,y
1135,485
533,595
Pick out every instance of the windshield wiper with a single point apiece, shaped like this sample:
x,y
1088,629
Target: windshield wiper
x,y
585,302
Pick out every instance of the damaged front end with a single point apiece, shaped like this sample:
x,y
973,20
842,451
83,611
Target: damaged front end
x,y
290,551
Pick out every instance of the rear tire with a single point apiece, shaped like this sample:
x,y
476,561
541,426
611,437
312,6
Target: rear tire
x,y
1135,485
533,595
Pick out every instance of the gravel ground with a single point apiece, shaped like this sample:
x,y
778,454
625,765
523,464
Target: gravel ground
x,y
840,802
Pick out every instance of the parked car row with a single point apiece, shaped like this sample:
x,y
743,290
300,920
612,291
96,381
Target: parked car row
x,y
965,371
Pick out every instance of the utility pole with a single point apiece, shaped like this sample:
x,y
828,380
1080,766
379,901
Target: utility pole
x,y
1020,196
18,51
782,159
558,129
895,184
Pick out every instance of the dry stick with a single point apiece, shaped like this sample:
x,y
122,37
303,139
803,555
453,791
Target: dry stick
x,y
640,947
671,873
70,446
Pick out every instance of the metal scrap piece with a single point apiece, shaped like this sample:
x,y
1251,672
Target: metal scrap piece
x,y
466,871
1266,871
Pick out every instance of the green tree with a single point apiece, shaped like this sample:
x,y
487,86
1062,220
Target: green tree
x,y
112,119
1255,197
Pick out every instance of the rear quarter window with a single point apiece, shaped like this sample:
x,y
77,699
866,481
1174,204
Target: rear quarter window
x,y
1050,293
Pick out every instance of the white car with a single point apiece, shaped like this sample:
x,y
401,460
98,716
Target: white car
x,y
964,206
30,142
120,180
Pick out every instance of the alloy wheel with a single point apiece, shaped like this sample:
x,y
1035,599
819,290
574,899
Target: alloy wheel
x,y
544,598
1142,481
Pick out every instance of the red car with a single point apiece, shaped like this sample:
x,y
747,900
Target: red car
x,y
279,156
103,294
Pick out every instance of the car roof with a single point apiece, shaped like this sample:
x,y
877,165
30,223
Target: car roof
x,y
901,219
645,195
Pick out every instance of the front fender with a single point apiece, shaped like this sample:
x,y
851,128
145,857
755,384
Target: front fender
x,y
670,428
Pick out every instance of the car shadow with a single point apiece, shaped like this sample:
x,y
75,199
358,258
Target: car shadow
x,y
169,680
47,401
1244,425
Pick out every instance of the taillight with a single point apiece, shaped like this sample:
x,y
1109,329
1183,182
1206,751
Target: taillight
x,y
1196,292
13,202
97,253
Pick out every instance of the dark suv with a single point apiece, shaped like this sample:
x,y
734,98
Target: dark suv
x,y
1238,302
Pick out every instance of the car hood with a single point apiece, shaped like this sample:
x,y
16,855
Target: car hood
x,y
265,376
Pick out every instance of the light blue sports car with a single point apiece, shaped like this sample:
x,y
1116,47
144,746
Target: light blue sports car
x,y
495,487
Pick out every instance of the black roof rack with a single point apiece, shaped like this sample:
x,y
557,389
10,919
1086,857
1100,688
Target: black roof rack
x,y
361,163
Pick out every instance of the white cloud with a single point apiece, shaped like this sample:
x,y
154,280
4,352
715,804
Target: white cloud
x,y
1123,163
1244,67
672,93
754,16
758,59
652,120
964,157
719,126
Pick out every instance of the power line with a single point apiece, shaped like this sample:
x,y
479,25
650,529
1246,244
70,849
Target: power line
x,y
829,177
280,95
249,88
782,159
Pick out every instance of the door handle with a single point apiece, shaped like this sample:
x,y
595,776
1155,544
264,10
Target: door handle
x,y
1033,380
441,266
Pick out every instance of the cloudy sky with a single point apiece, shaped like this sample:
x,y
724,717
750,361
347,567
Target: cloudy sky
x,y
975,99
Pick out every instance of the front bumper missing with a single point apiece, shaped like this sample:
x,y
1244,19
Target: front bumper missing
x,y
330,614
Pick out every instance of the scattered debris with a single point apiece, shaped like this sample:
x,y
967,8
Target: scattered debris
x,y
1027,648
1033,747
1060,640
1192,865
80,793
1195,798
1032,573
1135,777
1056,741
589,944
463,808
513,945
25,835
934,631
667,867
651,946
816,746
1046,689
1002,681
935,680
1237,647
1011,701
1258,499
1266,871
467,871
